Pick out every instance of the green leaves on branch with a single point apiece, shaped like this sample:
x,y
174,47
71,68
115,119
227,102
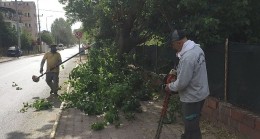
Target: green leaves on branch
x,y
38,105
106,86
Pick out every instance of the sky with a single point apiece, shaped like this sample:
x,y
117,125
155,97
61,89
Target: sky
x,y
49,10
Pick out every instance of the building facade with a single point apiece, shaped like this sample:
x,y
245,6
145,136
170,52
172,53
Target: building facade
x,y
27,16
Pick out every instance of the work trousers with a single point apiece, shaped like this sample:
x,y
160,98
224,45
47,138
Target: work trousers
x,y
191,117
52,79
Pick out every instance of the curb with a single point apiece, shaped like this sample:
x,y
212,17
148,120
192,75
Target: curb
x,y
55,126
6,60
14,58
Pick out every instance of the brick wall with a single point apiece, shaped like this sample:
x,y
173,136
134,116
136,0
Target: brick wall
x,y
232,117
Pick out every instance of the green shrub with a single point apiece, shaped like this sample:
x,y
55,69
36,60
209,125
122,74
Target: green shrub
x,y
98,126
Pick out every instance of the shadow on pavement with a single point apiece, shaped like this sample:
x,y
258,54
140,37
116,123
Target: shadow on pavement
x,y
54,99
18,135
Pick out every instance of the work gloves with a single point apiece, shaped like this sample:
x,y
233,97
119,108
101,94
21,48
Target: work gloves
x,y
41,70
167,89
171,77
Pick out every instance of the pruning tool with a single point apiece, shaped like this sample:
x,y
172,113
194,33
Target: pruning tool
x,y
169,78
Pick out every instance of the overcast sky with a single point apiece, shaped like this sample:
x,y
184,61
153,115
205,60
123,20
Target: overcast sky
x,y
50,10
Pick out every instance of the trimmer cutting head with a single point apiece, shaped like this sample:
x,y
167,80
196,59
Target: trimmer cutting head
x,y
35,78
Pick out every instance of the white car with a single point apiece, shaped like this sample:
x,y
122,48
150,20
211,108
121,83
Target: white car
x,y
60,47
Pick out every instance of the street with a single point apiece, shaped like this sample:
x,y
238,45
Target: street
x,y
31,124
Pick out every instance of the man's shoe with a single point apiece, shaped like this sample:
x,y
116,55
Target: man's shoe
x,y
55,95
55,92
183,136
51,92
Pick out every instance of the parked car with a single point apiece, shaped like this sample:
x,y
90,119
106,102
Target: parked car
x,y
60,47
14,51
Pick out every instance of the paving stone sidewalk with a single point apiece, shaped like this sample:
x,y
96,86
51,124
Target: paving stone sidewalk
x,y
74,124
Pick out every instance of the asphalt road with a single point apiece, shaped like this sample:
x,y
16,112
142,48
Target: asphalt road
x,y
31,124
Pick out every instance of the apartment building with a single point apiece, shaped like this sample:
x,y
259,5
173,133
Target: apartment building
x,y
27,16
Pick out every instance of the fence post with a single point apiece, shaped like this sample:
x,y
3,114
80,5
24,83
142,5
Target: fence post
x,y
226,70
156,58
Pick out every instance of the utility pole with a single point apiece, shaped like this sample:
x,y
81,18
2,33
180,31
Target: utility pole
x,y
39,24
17,25
47,22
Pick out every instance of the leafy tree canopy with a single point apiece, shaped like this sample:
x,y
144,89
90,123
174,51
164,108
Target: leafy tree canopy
x,y
26,40
8,35
61,31
46,37
128,23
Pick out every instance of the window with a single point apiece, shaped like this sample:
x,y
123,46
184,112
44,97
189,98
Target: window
x,y
29,15
29,25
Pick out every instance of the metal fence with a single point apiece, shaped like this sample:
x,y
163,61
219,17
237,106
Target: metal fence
x,y
242,74
155,58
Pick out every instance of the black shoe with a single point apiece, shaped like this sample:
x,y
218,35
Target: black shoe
x,y
183,136
55,94
51,92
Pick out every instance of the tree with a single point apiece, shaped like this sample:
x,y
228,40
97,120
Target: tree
x,y
46,37
26,40
126,23
8,35
61,30
254,18
130,23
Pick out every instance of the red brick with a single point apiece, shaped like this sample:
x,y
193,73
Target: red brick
x,y
234,124
213,103
257,124
255,135
249,120
237,114
225,110
244,129
224,119
215,115
249,132
207,110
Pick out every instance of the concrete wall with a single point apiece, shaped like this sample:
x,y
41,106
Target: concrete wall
x,y
45,48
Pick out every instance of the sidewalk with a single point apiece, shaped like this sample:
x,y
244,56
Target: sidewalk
x,y
5,59
74,124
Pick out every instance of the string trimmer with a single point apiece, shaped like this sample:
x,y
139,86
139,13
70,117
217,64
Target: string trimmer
x,y
169,78
37,78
